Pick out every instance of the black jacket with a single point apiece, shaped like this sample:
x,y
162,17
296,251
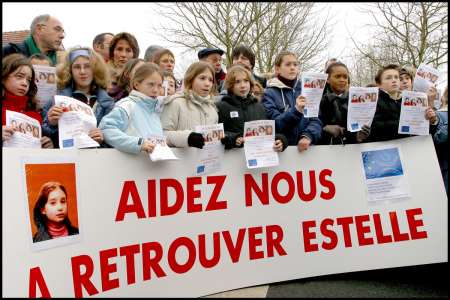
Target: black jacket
x,y
333,111
261,80
385,122
234,111
11,48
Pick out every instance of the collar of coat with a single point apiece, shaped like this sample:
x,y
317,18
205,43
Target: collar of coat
x,y
275,82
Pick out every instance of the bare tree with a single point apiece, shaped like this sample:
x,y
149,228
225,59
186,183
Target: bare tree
x,y
266,27
408,33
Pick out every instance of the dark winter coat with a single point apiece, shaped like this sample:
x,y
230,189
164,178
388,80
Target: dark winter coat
x,y
279,102
386,119
12,48
234,111
334,111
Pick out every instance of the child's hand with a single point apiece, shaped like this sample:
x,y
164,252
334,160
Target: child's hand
x,y
147,146
278,146
54,114
334,130
363,133
46,142
303,144
7,132
96,134
239,141
300,103
431,115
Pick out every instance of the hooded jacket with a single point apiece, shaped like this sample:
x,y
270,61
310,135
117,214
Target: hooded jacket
x,y
182,112
279,102
132,119
102,106
234,111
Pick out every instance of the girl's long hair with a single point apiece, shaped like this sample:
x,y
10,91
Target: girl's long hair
x,y
39,219
9,65
100,70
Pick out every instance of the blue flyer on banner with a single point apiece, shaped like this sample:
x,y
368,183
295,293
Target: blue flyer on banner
x,y
384,174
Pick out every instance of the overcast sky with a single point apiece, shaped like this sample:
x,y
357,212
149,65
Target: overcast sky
x,y
83,21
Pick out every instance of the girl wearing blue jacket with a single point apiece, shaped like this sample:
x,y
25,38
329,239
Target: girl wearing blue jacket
x,y
284,104
82,76
134,118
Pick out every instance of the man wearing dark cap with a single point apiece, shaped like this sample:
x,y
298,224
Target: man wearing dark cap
x,y
214,57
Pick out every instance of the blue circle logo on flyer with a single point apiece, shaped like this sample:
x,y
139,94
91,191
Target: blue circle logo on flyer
x,y
382,163
252,162
355,126
405,128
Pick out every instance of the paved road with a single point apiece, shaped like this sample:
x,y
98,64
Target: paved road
x,y
425,281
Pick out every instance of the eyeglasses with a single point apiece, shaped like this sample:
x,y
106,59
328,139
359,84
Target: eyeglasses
x,y
58,29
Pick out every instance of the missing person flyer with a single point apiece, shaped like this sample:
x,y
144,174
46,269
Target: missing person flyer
x,y
259,139
412,114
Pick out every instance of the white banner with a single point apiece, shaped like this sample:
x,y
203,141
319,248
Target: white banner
x,y
150,229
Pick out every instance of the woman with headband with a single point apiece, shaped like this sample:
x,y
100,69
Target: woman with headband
x,y
83,75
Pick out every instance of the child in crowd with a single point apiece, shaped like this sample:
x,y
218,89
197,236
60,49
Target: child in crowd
x,y
83,75
440,138
284,104
194,106
18,93
40,59
171,84
239,106
334,108
134,118
406,79
123,88
258,91
50,213
387,115
165,59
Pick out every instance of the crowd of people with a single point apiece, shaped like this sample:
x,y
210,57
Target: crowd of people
x,y
133,98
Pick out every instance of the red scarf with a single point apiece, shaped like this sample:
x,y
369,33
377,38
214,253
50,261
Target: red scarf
x,y
17,104
57,231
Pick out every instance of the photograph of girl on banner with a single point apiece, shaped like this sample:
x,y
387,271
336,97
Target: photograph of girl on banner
x,y
50,213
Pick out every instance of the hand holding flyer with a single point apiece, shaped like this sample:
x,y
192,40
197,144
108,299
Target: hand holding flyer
x,y
313,85
75,123
210,158
259,138
426,77
27,131
362,104
161,151
412,114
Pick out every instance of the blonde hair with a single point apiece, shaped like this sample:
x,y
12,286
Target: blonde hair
x,y
145,71
101,76
230,80
281,55
193,71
